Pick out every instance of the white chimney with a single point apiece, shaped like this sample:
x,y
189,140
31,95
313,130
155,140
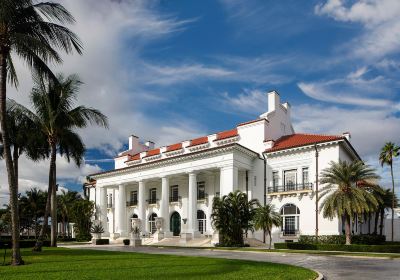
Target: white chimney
x,y
347,135
149,144
133,142
273,101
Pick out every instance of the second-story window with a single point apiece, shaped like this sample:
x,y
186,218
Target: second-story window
x,y
134,197
153,196
290,179
110,200
305,177
201,190
174,193
275,180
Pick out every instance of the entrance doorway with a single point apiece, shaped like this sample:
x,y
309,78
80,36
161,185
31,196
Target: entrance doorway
x,y
175,224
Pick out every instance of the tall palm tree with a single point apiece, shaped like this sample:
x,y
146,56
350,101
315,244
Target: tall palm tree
x,y
58,119
346,193
65,202
32,31
386,201
232,216
388,153
266,218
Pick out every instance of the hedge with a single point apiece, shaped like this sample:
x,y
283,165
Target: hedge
x,y
126,241
339,247
364,239
23,243
102,241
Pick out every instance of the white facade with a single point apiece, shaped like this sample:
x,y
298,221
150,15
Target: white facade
x,y
178,182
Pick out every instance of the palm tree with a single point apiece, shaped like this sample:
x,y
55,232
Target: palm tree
x,y
346,193
388,153
32,207
232,216
65,201
55,114
386,201
265,218
33,32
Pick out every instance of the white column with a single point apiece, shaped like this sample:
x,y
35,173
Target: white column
x,y
228,179
192,205
121,211
142,205
103,209
164,207
252,187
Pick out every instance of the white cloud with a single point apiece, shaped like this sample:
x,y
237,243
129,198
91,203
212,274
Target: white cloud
x,y
248,101
379,18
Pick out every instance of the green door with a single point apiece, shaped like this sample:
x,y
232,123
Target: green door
x,y
175,224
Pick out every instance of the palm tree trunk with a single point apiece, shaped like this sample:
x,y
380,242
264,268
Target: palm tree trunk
x,y
376,222
347,230
382,221
270,239
53,196
369,222
16,258
39,241
393,197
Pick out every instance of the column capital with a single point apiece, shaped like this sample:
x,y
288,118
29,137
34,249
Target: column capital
x,y
192,172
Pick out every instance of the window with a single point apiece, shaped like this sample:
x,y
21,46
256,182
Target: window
x,y
174,194
290,214
201,190
305,177
275,181
290,179
133,197
152,223
153,196
110,200
201,220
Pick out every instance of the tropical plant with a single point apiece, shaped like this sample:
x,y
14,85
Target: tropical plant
x,y
31,207
232,216
64,203
81,214
386,198
97,229
55,114
346,193
266,218
33,31
388,153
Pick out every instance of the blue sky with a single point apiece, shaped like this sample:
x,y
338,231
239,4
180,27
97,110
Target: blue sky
x,y
173,70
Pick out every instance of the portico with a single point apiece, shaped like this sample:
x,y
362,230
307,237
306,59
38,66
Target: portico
x,y
184,193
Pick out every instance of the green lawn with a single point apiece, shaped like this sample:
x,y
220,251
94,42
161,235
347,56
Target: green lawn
x,y
60,263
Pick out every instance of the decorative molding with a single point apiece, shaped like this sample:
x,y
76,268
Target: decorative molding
x,y
198,147
174,153
225,141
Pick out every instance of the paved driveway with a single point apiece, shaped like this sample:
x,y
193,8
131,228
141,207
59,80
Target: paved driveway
x,y
332,267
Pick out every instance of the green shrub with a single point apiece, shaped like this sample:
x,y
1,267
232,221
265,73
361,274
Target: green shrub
x,y
365,239
83,237
339,247
102,241
126,241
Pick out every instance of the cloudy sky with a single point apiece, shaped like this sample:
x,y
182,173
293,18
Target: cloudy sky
x,y
173,70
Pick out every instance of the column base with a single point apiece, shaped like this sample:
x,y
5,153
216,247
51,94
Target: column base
x,y
135,242
157,236
114,235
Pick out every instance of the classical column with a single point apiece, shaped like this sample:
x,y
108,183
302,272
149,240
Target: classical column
x,y
103,210
121,211
164,207
228,179
142,205
192,205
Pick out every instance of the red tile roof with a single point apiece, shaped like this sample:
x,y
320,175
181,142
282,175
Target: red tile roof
x,y
134,157
227,134
153,152
298,140
198,141
174,147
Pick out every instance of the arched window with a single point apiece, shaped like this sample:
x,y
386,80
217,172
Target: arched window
x,y
201,220
152,223
134,216
290,219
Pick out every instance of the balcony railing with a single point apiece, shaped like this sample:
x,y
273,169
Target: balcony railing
x,y
290,232
175,199
202,196
290,187
152,200
132,203
110,205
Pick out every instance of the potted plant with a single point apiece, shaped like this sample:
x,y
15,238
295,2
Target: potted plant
x,y
97,230
135,237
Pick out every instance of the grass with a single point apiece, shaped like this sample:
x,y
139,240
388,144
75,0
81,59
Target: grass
x,y
61,263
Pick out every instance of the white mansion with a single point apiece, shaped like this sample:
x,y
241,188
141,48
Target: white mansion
x,y
176,184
